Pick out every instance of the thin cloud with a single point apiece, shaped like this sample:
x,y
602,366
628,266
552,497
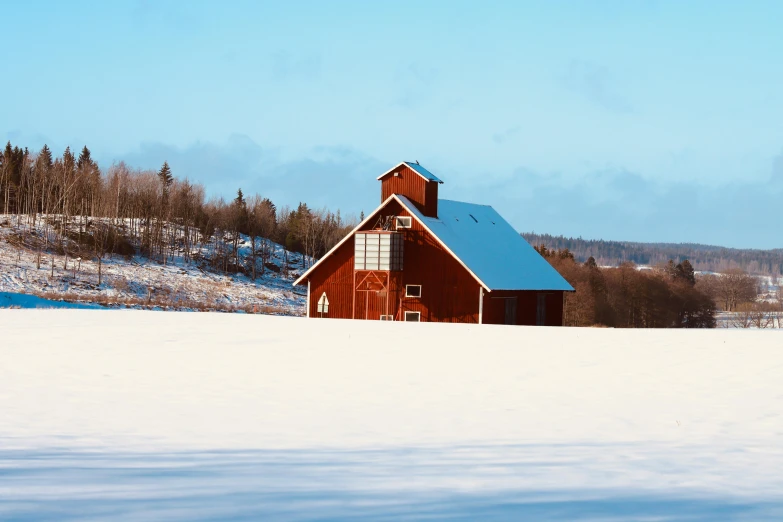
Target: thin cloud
x,y
595,84
503,136
777,169
416,83
289,66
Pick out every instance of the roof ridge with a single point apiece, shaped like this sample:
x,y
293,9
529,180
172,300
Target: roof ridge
x,y
466,202
415,167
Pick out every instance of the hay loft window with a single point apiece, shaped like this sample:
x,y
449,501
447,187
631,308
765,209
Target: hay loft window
x,y
378,251
403,222
387,318
413,316
412,290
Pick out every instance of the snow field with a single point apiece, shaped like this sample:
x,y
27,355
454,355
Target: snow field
x,y
137,415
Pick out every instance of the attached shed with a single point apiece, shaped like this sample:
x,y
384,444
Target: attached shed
x,y
420,258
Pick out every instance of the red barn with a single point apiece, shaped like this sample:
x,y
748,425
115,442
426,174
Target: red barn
x,y
418,258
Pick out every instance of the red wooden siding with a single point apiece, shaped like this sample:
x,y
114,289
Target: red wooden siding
x,y
527,307
423,193
431,199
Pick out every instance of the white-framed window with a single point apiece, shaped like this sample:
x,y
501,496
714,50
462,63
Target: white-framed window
x,y
378,251
403,222
387,318
413,316
412,290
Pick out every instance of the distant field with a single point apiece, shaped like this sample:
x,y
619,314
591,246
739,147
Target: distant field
x,y
135,415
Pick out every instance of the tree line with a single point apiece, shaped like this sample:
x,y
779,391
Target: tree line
x,y
625,297
123,210
702,257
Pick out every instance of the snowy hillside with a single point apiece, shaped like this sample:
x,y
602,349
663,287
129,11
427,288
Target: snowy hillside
x,y
224,416
179,284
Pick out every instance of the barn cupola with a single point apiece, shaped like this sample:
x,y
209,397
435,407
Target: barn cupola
x,y
414,182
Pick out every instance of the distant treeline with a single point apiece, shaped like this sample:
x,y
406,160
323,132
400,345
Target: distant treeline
x,y
160,213
702,257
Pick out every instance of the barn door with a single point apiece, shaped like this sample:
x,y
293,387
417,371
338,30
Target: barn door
x,y
541,310
511,310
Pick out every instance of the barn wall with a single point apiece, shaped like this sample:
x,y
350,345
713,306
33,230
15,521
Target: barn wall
x,y
449,292
423,193
334,276
527,304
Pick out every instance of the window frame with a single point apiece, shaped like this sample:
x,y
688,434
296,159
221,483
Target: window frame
x,y
389,317
397,219
413,296
417,314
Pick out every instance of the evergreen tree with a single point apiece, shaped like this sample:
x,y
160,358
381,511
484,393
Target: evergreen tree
x,y
166,179
686,273
45,158
7,155
165,175
85,159
240,213
69,161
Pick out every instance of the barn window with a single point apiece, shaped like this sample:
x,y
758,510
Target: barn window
x,y
378,251
403,222
387,318
412,290
413,316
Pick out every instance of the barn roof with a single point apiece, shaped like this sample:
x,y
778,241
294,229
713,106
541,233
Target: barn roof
x,y
489,247
483,242
415,167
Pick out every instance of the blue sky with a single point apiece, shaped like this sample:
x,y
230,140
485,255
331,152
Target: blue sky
x,y
649,121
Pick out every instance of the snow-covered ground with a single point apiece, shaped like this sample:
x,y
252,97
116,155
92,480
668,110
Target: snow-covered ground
x,y
137,415
138,281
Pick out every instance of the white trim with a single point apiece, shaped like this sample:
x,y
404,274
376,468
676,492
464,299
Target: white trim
x,y
414,296
433,234
405,164
343,240
418,314
308,298
481,304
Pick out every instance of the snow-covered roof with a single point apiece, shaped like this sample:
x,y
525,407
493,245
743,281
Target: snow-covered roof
x,y
418,169
489,247
483,242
